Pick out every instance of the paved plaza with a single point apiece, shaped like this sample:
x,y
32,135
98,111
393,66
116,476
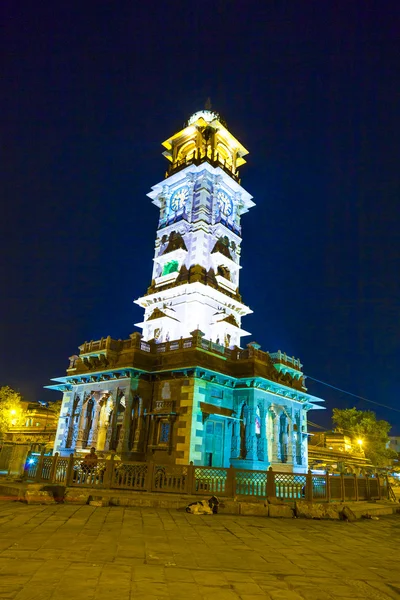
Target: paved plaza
x,y
85,552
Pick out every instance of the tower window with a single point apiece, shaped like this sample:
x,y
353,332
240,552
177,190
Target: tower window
x,y
170,267
224,272
165,428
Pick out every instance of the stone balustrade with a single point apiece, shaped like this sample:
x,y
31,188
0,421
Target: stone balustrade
x,y
108,473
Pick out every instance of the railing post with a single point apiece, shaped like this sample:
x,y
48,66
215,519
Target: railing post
x,y
328,487
378,481
342,487
26,467
271,488
356,487
309,486
107,479
230,482
39,467
53,467
190,478
367,487
70,470
387,487
149,476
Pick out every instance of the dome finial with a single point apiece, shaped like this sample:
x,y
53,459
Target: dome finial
x,y
207,105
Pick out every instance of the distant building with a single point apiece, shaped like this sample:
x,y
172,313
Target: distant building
x,y
36,426
185,390
394,443
336,452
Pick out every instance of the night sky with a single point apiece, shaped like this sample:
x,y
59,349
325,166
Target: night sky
x,y
310,88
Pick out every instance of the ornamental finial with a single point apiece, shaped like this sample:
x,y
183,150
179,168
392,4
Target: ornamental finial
x,y
207,105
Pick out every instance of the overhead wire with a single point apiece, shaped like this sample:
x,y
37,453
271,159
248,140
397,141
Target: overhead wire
x,y
354,395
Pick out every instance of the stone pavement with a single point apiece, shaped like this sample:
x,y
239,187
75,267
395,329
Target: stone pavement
x,y
88,553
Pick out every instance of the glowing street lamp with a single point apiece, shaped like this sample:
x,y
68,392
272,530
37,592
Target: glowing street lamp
x,y
360,442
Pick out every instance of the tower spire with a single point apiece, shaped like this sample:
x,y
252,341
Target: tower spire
x,y
208,105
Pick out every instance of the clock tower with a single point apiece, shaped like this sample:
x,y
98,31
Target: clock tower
x,y
195,279
185,391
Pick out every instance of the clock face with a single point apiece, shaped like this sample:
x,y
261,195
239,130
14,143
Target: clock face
x,y
179,198
224,203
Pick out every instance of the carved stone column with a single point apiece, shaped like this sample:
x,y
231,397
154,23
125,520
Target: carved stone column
x,y
92,438
112,421
251,440
123,442
81,428
136,446
275,435
263,444
103,423
288,436
235,445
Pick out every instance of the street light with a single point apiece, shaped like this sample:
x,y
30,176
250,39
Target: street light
x,y
13,412
360,442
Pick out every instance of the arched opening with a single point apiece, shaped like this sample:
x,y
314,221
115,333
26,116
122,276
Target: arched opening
x,y
224,272
170,267
244,419
257,423
224,154
88,421
283,438
297,428
186,152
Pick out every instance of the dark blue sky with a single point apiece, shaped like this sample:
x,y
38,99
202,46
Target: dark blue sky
x,y
310,88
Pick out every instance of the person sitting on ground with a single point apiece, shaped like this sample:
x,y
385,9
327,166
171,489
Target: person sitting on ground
x,y
90,460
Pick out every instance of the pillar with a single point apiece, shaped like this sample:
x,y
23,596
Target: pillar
x,y
113,421
275,435
80,428
136,446
263,451
17,460
92,437
251,440
103,424
235,446
123,442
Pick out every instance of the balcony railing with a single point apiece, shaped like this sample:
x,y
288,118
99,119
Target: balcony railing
x,y
198,157
190,479
283,358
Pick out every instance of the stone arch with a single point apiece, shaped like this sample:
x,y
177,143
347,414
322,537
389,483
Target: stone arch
x,y
283,437
257,420
224,272
89,411
224,154
170,267
186,151
244,426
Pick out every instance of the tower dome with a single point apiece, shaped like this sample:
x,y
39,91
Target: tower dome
x,y
208,115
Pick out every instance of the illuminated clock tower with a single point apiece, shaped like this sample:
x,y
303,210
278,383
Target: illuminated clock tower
x,y
195,280
186,391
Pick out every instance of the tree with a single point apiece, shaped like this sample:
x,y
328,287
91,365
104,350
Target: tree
x,y
363,425
10,408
